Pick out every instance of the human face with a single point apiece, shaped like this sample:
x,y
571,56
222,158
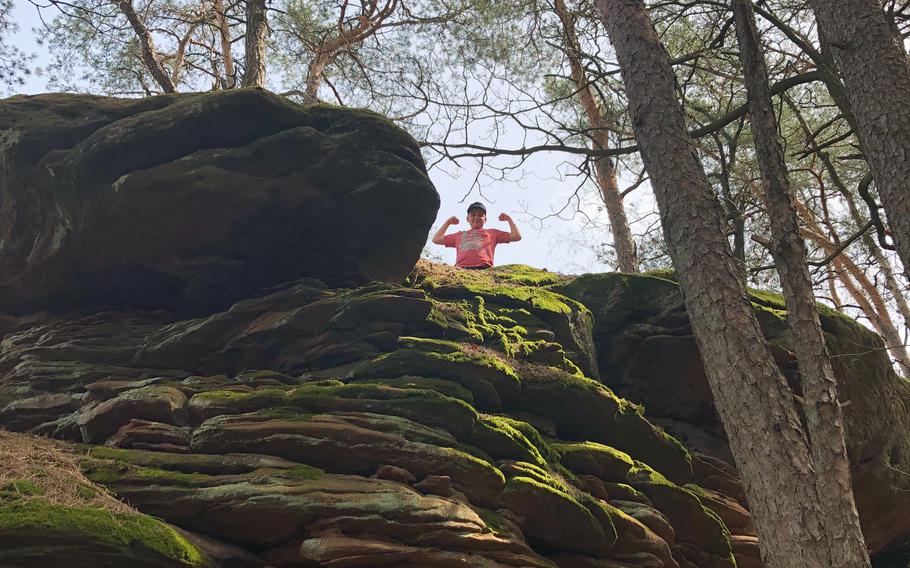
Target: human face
x,y
476,218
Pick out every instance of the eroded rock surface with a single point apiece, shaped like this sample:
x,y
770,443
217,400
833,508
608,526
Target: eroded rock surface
x,y
437,423
194,201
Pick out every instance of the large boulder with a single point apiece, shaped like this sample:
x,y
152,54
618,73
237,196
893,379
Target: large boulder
x,y
194,201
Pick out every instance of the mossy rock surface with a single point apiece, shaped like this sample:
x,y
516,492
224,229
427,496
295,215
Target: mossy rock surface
x,y
374,412
503,438
492,382
57,535
596,459
421,405
168,208
694,523
552,517
584,410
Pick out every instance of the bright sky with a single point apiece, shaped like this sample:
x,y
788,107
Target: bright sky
x,y
532,198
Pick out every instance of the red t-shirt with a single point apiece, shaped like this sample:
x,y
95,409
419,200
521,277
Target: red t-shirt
x,y
475,247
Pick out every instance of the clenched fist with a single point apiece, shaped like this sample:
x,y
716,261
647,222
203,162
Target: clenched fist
x,y
452,220
504,217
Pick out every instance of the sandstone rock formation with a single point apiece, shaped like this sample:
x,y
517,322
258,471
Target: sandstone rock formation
x,y
504,418
647,353
194,201
430,424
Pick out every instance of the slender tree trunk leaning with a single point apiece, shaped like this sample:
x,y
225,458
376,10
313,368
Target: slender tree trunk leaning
x,y
876,76
879,315
149,56
824,417
225,35
257,29
750,394
890,332
315,70
868,298
604,172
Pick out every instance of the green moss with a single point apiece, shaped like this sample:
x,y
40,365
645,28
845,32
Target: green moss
x,y
261,375
459,456
235,395
492,382
504,286
284,413
123,532
642,473
430,345
533,436
663,273
525,275
537,473
776,304
302,473
153,475
592,458
87,492
299,473
105,472
417,361
19,488
107,465
443,386
437,317
499,437
425,406
544,483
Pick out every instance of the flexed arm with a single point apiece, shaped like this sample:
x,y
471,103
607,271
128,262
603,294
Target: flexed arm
x,y
514,235
439,237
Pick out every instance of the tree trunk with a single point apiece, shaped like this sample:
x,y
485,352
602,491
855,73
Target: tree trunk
x,y
257,30
315,70
889,330
605,173
824,417
876,76
750,394
149,56
224,33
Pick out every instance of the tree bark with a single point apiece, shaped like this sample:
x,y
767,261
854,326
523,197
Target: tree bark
x,y
876,76
315,71
824,417
750,394
224,32
149,55
257,30
605,173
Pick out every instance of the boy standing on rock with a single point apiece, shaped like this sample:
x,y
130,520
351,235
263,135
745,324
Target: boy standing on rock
x,y
474,247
